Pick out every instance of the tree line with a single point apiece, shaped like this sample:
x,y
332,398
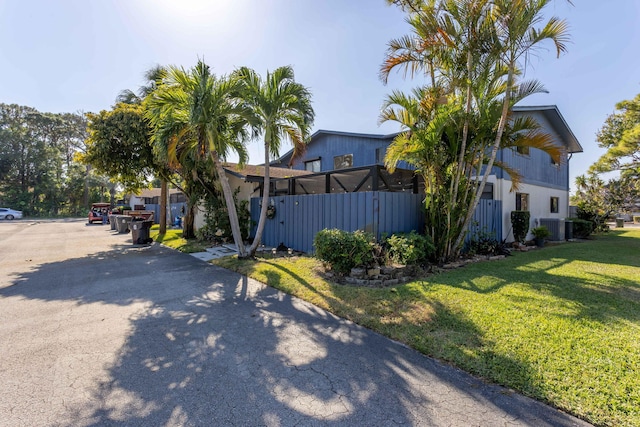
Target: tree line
x,y
39,172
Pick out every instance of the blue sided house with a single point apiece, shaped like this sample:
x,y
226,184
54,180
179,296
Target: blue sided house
x,y
348,187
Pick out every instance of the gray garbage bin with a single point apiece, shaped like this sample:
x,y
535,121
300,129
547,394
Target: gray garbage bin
x,y
140,232
112,221
568,229
122,223
619,222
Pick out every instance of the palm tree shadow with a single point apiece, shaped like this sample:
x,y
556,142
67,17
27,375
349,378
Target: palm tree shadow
x,y
207,346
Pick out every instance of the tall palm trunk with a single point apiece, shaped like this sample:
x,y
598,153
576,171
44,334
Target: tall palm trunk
x,y
188,224
163,206
494,153
266,188
231,207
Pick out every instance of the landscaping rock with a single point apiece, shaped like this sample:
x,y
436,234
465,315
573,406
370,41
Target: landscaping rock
x,y
373,272
358,273
387,270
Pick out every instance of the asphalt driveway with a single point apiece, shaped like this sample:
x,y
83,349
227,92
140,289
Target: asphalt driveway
x,y
95,331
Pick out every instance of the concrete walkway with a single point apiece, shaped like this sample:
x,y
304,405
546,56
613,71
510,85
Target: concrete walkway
x,y
95,331
222,251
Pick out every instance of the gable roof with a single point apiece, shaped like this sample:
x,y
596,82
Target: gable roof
x,y
154,192
552,114
320,132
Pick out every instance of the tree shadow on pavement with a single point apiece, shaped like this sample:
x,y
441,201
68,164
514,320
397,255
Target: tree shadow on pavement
x,y
205,346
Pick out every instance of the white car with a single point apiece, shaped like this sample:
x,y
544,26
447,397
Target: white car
x,y
6,213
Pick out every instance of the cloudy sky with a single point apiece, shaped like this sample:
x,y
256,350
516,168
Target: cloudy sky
x,y
77,55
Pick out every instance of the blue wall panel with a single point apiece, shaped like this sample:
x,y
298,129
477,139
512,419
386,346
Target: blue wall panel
x,y
487,219
299,218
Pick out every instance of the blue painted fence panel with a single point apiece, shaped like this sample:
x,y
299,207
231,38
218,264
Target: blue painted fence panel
x,y
176,210
487,219
299,217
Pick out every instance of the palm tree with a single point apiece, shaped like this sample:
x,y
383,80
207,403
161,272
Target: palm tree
x,y
284,110
430,141
515,38
472,52
194,111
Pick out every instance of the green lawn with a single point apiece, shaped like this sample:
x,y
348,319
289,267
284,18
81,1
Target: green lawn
x,y
561,324
173,238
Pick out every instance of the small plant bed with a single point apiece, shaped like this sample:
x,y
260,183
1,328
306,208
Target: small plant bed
x,y
173,239
561,325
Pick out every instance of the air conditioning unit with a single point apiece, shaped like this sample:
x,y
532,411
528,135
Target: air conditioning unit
x,y
555,226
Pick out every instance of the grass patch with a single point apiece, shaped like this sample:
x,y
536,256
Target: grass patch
x,y
173,239
561,324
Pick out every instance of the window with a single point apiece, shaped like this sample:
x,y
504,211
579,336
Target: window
x,y
177,198
555,202
343,162
522,202
312,165
522,150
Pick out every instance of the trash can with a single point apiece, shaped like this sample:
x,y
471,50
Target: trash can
x,y
122,223
568,229
112,221
619,222
140,231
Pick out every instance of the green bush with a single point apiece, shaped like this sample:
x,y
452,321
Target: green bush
x,y
344,250
483,242
581,228
410,248
520,224
541,232
217,227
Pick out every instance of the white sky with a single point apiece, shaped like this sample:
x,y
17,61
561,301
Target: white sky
x,y
77,55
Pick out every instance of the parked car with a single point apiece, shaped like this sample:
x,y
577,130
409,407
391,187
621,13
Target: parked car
x,y
6,213
98,211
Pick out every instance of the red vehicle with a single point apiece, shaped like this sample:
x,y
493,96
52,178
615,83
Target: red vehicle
x,y
98,211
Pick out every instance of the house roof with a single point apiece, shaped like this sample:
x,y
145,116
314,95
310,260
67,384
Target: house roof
x,y
552,114
154,192
258,171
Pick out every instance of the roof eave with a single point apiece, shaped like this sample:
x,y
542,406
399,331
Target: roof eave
x,y
552,113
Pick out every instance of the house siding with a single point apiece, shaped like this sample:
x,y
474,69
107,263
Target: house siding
x,y
536,167
539,205
326,146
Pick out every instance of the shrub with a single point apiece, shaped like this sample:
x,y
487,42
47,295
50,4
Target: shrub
x,y
598,222
541,232
581,228
217,227
410,248
485,243
520,224
344,250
